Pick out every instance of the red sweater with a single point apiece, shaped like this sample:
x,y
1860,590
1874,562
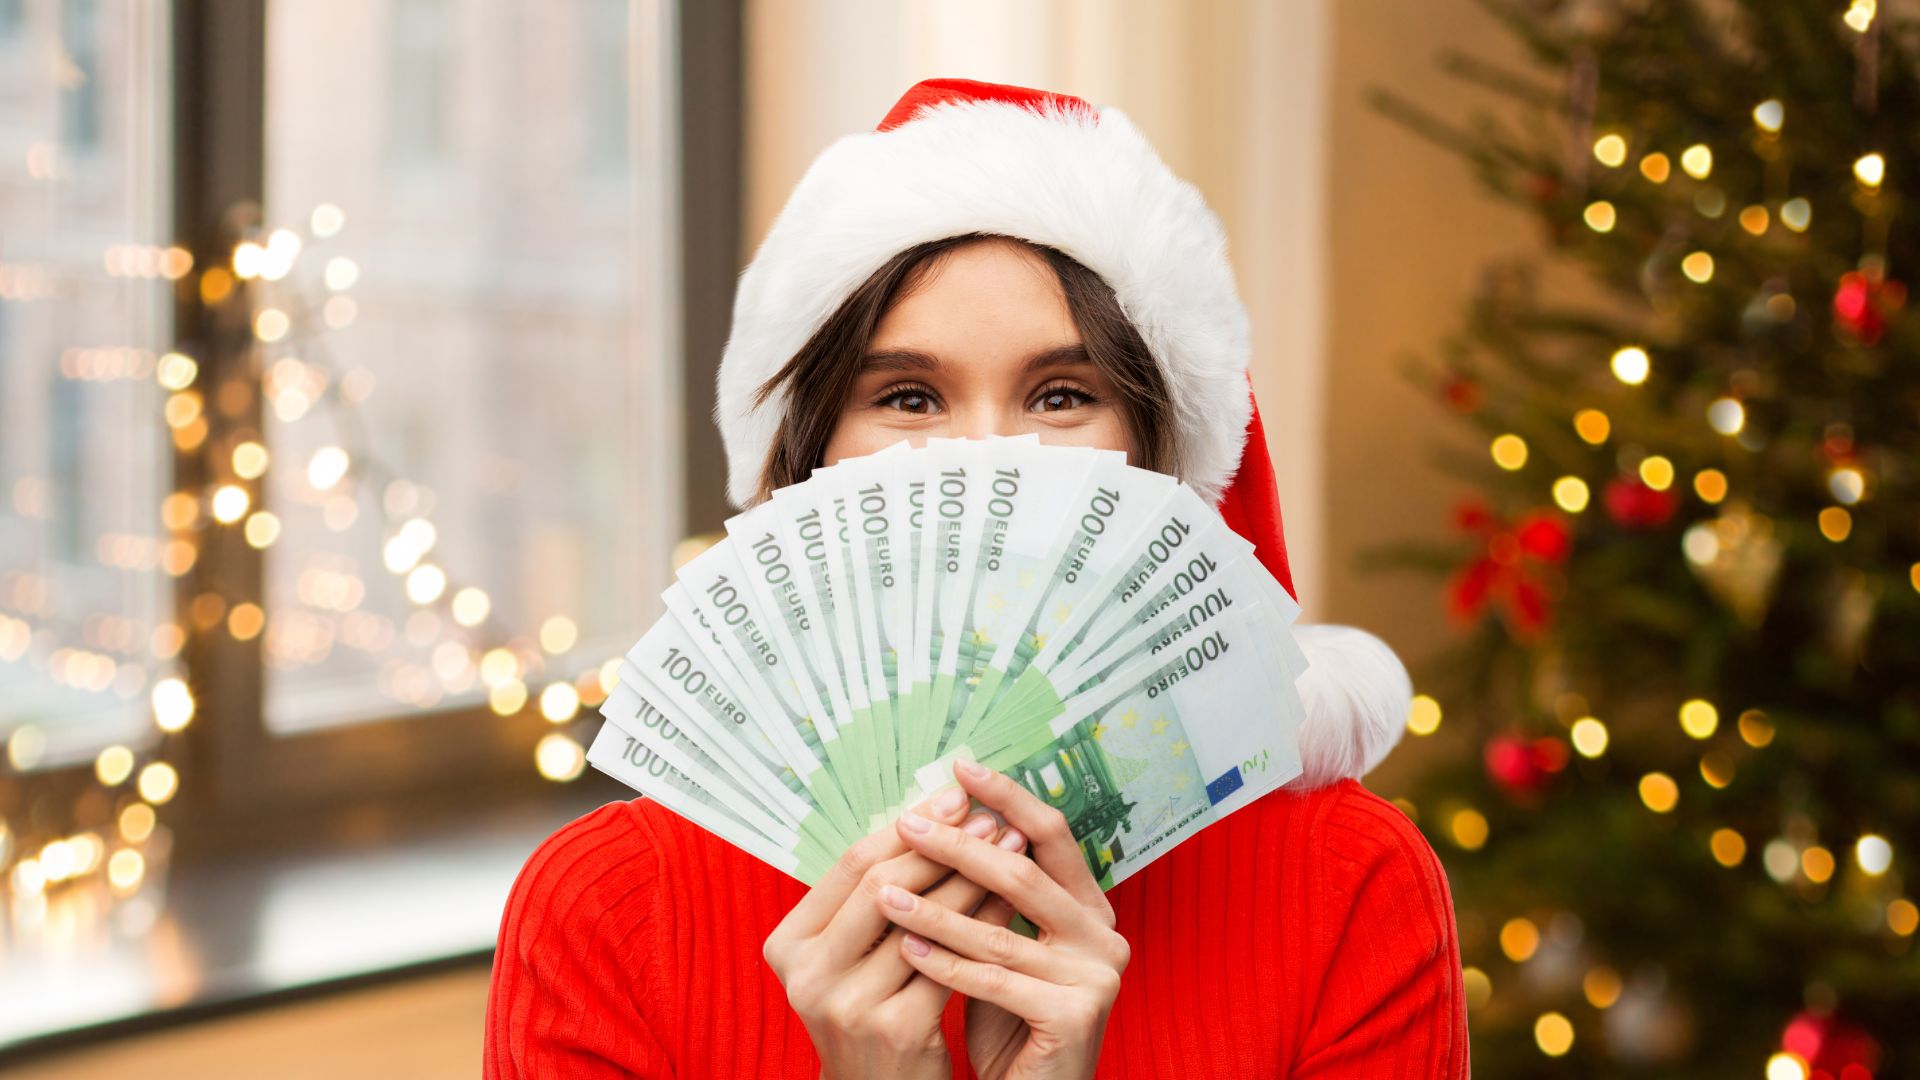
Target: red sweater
x,y
1307,935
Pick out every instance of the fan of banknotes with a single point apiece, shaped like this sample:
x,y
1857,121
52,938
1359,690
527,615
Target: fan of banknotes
x,y
1094,630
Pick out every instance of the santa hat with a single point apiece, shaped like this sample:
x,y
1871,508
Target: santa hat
x,y
957,156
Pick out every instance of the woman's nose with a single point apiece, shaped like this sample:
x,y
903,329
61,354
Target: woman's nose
x,y
981,423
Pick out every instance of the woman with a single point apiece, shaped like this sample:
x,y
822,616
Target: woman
x,y
998,260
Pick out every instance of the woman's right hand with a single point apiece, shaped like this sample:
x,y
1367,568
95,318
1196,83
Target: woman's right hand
x,y
869,1013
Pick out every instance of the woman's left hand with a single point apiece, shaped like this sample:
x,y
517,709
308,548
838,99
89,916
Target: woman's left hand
x,y
1040,1005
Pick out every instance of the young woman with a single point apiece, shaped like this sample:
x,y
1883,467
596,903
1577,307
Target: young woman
x,y
998,260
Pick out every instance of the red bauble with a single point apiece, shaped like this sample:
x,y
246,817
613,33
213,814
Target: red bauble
x,y
1862,304
1632,504
1522,767
1833,1048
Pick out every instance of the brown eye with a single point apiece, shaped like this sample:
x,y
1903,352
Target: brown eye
x,y
1056,398
909,400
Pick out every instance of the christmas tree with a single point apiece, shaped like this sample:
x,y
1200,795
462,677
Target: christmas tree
x,y
1682,841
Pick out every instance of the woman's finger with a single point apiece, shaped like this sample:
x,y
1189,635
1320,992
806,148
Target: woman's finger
x,y
852,930
1025,885
830,893
1020,994
885,971
975,940
1054,845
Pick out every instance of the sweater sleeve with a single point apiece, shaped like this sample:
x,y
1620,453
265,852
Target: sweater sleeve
x,y
573,949
1392,1002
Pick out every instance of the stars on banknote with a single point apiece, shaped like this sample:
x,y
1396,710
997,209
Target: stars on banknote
x,y
1159,725
1025,580
1129,718
1062,613
980,637
996,601
1100,733
1179,747
1180,782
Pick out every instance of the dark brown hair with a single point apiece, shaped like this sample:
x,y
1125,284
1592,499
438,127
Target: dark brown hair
x,y
820,376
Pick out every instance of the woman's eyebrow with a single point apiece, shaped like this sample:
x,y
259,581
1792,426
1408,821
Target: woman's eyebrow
x,y
915,360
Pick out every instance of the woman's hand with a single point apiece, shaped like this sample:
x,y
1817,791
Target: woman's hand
x,y
1042,1004
868,1012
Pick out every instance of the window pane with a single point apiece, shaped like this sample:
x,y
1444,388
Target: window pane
x,y
482,337
84,313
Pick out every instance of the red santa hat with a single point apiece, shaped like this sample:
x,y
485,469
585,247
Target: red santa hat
x,y
957,156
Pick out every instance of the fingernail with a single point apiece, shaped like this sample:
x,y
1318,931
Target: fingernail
x,y
897,897
971,768
914,822
980,825
1013,841
917,945
949,803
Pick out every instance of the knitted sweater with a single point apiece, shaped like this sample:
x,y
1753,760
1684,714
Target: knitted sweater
x,y
1309,935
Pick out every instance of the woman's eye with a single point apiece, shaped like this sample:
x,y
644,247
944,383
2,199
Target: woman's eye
x,y
1061,397
910,401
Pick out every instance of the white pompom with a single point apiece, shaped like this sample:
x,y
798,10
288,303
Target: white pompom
x,y
1356,693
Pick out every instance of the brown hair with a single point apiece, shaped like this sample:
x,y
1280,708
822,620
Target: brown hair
x,y
819,377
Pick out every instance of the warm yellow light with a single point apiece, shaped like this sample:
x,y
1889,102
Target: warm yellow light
x,y
1781,306
1571,494
179,511
1873,853
1631,365
326,220
1755,220
271,324
172,704
1781,859
1835,524
1710,485
610,675
1656,472
114,765
1786,1065
137,822
125,869
1817,863
1659,792
470,606
1656,167
1755,728
498,666
1870,170
1913,576
559,758
1903,917
1602,986
1479,988
1716,768
230,501
1423,718
182,408
1698,266
508,698
1592,426
341,273
1469,828
1589,737
425,583
558,634
1847,484
1611,150
1769,115
1554,1034
559,702
1600,216
25,746
1729,847
158,782
249,460
175,371
1519,938
262,529
249,259
1697,160
1726,415
1699,718
246,621
1509,451
1796,214
327,467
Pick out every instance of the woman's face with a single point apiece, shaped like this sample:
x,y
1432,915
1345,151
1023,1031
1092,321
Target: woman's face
x,y
984,346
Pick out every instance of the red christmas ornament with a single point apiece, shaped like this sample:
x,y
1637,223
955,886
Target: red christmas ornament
x,y
1512,570
1833,1048
1461,394
1631,504
1521,767
1863,302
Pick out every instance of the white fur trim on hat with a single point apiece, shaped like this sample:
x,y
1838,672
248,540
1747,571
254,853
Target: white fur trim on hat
x,y
1356,693
1095,190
